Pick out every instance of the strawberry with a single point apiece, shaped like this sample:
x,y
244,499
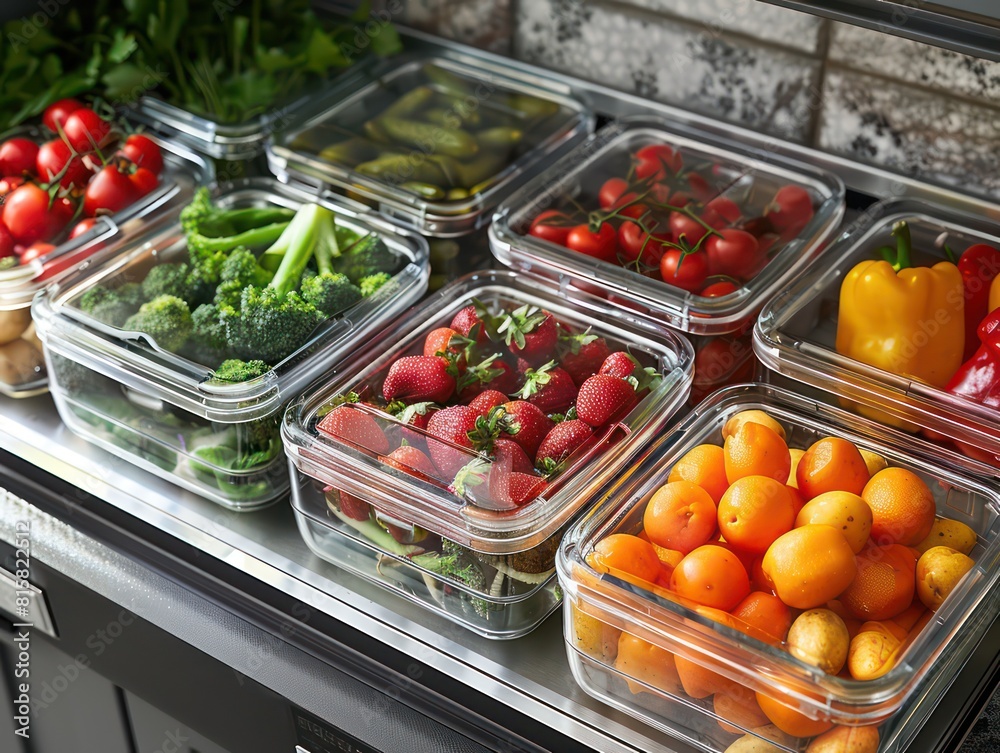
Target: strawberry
x,y
520,462
625,366
530,333
526,424
549,387
506,489
353,426
490,373
405,533
351,506
486,401
582,355
603,399
415,414
411,460
460,425
448,343
420,378
475,322
560,443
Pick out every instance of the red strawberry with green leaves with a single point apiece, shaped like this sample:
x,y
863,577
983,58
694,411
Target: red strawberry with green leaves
x,y
419,379
352,425
491,373
415,414
582,355
624,366
460,425
351,506
549,387
448,343
495,484
487,400
475,322
520,462
604,398
560,443
411,460
526,424
530,333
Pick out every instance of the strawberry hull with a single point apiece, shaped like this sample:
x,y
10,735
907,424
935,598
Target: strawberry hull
x,y
497,512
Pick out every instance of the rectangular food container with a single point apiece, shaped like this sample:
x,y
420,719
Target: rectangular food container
x,y
512,550
710,167
796,334
601,607
22,369
468,132
164,412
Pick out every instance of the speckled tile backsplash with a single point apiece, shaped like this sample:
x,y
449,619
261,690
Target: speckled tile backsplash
x,y
885,100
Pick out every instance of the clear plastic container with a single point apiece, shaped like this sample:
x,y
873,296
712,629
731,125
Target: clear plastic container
x,y
22,369
514,547
797,330
600,607
713,168
511,125
146,404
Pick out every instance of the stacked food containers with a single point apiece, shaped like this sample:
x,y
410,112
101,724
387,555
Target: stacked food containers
x,y
435,142
166,412
397,523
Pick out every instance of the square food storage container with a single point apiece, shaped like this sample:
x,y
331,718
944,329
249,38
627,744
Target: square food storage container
x,y
662,165
22,368
603,611
400,530
165,412
796,335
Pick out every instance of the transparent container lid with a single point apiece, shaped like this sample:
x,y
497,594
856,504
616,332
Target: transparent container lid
x,y
710,168
437,140
472,518
961,492
136,361
797,330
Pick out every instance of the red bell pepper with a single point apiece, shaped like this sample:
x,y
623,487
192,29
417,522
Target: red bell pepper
x,y
979,265
978,378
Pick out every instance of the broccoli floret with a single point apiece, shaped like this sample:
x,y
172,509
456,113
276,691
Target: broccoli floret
x,y
235,370
131,293
166,279
111,306
94,296
371,283
368,256
113,311
239,271
166,319
268,326
330,292
458,564
211,229
207,342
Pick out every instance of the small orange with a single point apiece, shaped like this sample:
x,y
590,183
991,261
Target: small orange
x,y
680,515
765,612
884,585
759,580
712,576
623,553
699,681
647,663
751,417
738,704
755,511
704,465
755,450
902,506
831,465
810,565
842,510
790,721
797,499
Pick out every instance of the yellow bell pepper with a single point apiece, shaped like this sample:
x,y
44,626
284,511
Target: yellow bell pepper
x,y
906,320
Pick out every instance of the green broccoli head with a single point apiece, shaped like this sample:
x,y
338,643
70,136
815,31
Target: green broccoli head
x,y
166,319
235,370
268,326
166,279
201,283
330,292
113,311
371,283
368,256
131,293
94,296
207,342
239,271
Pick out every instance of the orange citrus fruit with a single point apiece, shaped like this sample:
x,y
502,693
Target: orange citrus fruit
x,y
884,584
751,417
680,515
765,612
698,681
754,511
738,705
831,465
902,506
810,565
788,720
755,450
842,510
623,553
705,466
712,576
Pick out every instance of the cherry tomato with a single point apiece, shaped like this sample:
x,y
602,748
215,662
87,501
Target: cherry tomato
x,y
144,180
791,210
28,216
614,193
110,191
700,186
657,161
685,271
56,113
551,225
718,289
721,212
601,245
36,249
82,227
6,242
630,245
17,157
683,225
54,157
9,183
660,193
719,362
86,131
144,152
734,252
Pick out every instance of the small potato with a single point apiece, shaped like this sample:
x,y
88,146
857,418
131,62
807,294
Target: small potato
x,y
846,740
887,627
796,457
874,462
820,638
751,417
13,322
593,636
946,532
872,654
647,663
939,570
846,512
20,362
760,741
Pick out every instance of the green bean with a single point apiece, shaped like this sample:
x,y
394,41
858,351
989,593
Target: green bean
x,y
451,141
